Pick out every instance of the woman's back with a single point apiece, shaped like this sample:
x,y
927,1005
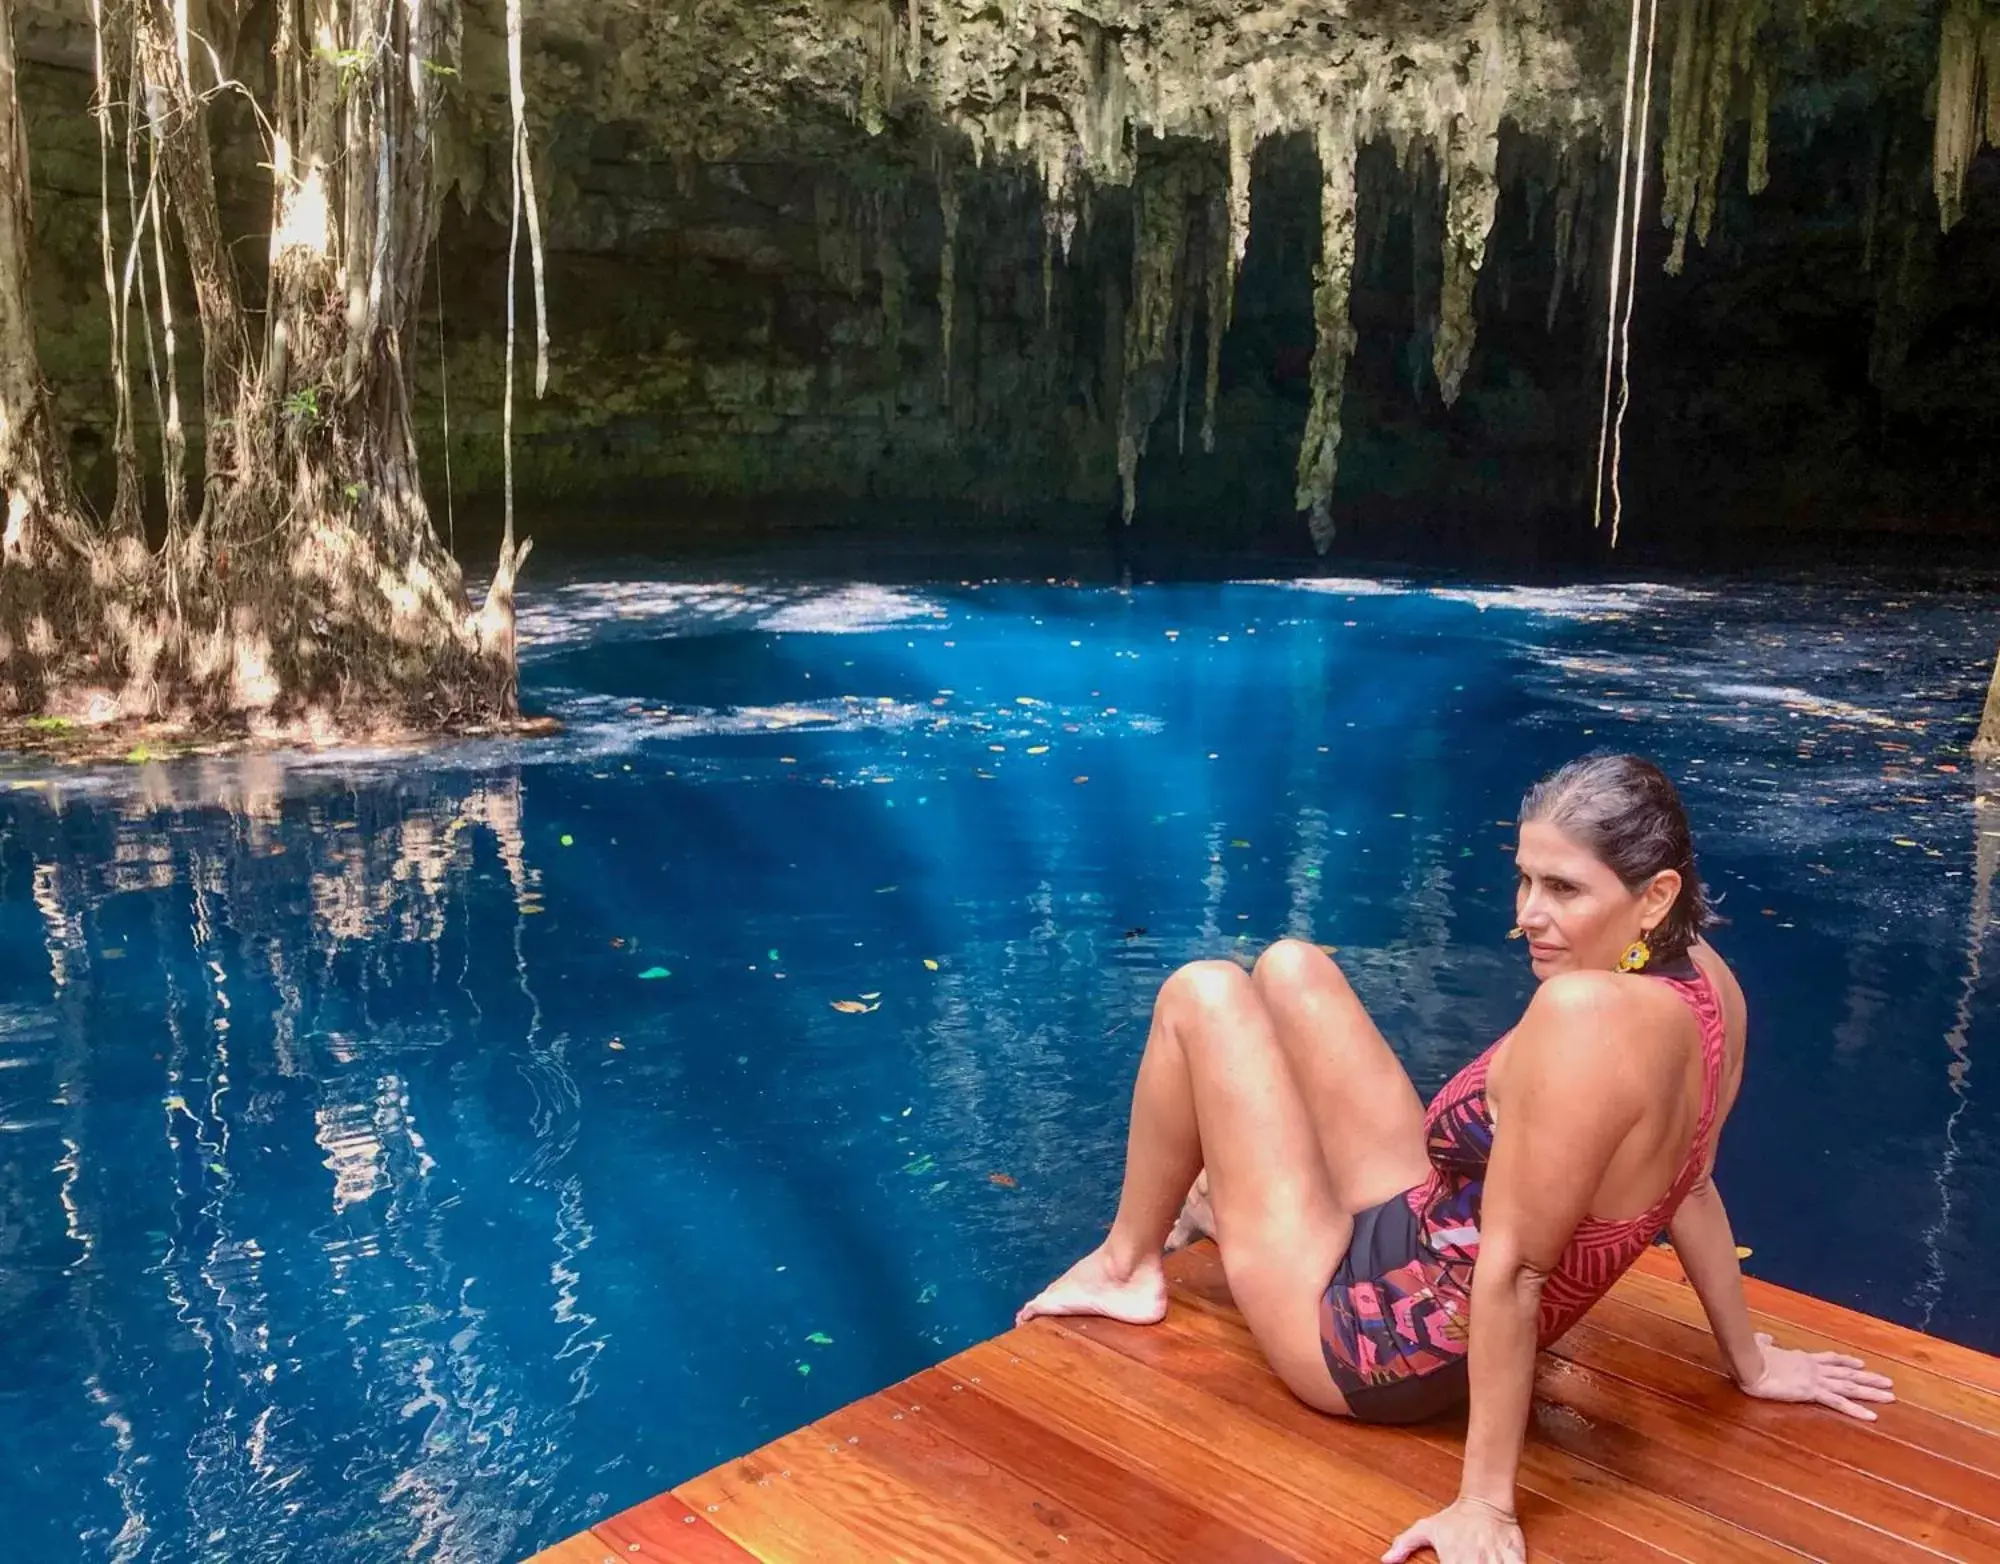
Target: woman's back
x,y
1682,1029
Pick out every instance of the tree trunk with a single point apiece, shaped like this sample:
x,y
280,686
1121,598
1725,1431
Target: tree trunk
x,y
1987,745
312,589
45,547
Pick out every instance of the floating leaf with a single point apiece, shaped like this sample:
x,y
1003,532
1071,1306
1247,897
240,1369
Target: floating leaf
x,y
929,1294
1080,779
884,890
615,1043
176,1103
567,840
920,1166
654,972
1004,1180
1039,749
871,997
803,1368
930,965
850,1007
771,955
819,1338
1239,842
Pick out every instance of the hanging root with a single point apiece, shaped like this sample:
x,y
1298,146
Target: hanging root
x,y
1624,278
1632,279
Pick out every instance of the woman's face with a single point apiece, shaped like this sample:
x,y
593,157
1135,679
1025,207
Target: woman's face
x,y
1576,913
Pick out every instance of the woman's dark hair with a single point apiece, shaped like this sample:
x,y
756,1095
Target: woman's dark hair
x,y
1625,811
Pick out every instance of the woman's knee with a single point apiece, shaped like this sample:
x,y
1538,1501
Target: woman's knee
x,y
1292,966
1208,990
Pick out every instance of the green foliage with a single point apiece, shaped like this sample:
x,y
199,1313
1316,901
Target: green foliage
x,y
352,64
50,724
301,409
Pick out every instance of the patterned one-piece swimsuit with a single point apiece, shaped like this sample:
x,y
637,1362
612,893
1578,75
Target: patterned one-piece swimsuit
x,y
1395,1320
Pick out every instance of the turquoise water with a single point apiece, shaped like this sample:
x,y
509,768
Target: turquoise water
x,y
421,1156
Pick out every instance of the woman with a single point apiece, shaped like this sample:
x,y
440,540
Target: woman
x,y
1394,1263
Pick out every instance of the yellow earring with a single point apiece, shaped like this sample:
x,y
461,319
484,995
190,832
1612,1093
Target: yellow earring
x,y
1637,954
1517,933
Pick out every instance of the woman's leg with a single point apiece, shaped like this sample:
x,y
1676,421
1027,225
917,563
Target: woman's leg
x,y
1215,1085
1366,1114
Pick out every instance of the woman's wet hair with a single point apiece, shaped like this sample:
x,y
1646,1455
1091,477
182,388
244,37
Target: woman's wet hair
x,y
1625,811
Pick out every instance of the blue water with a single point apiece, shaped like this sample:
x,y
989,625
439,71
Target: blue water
x,y
420,1156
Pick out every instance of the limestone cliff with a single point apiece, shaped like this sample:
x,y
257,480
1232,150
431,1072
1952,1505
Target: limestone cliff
x,y
976,256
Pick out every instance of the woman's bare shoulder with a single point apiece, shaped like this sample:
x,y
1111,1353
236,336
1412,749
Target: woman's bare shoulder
x,y
1734,1008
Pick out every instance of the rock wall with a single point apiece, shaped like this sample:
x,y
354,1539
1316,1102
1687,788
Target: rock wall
x,y
1227,269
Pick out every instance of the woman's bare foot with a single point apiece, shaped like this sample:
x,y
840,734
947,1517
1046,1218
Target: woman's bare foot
x,y
1197,1218
1095,1286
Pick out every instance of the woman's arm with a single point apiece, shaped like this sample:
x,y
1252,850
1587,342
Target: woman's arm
x,y
1569,1104
1707,1250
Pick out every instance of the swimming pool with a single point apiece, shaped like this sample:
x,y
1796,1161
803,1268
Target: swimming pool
x,y
420,1157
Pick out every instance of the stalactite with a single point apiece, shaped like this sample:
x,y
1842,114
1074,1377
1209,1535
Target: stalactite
x,y
1471,195
1220,308
1968,100
1149,358
895,298
1424,194
1715,46
948,201
1334,344
881,85
1760,128
1242,144
1571,183
1048,272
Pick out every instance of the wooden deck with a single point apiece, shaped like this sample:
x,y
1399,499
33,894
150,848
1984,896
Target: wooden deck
x,y
1082,1440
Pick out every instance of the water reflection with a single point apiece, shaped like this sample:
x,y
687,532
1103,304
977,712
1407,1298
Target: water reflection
x,y
1958,1039
264,939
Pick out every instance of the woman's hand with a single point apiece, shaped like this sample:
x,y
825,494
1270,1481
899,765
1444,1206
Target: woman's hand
x,y
1470,1532
1827,1378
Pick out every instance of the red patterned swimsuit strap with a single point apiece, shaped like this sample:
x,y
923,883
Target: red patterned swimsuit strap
x,y
1702,999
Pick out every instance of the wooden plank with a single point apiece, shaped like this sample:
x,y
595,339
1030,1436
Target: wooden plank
x,y
1758,1484
1180,1438
1152,1516
1101,1443
1867,1334
1573,1509
1885,1449
894,1431
1965,1403
1935,1433
806,1499
1937,1511
583,1548
661,1528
